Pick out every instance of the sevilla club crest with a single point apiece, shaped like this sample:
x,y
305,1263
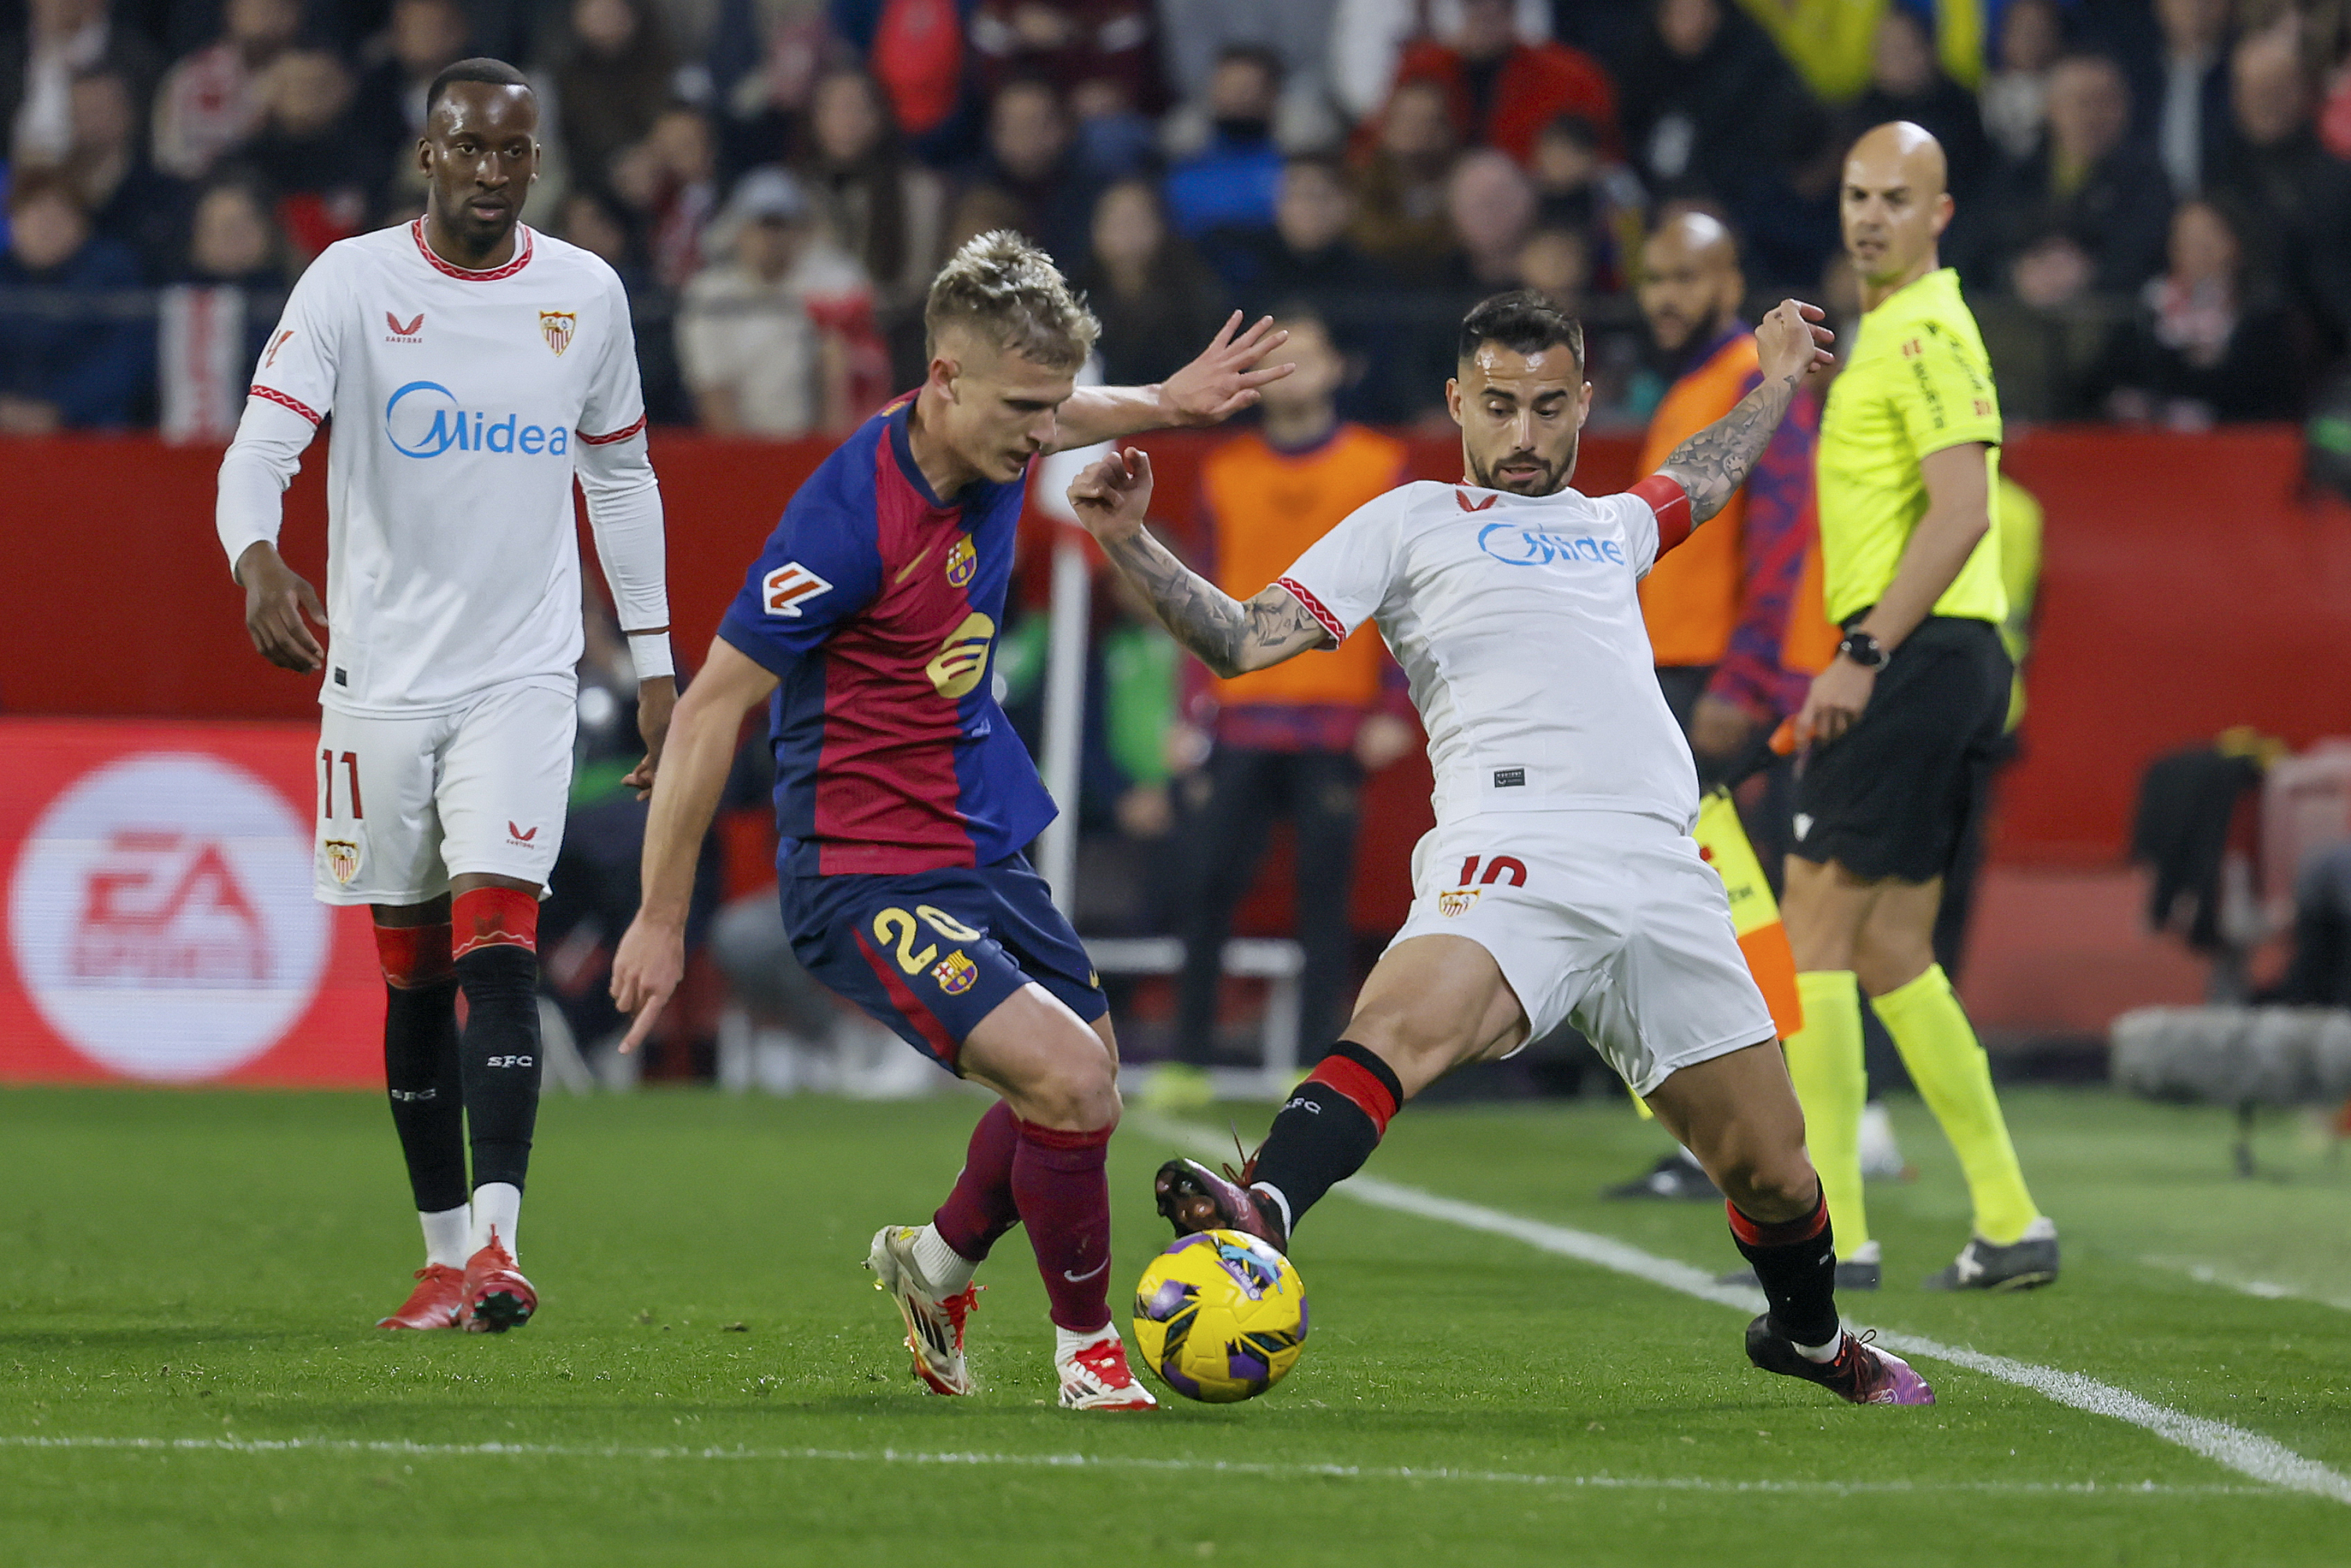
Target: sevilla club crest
x,y
556,327
343,856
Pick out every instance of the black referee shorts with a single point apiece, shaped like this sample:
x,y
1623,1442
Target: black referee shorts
x,y
1892,796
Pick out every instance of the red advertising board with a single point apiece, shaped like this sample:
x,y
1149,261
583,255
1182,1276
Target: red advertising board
x,y
158,924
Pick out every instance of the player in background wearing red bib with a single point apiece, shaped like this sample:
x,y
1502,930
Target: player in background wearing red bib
x,y
904,800
474,368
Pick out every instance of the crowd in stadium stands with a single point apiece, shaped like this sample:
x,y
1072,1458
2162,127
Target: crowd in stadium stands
x,y
2154,195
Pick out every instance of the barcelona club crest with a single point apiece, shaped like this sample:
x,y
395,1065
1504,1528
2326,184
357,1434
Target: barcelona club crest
x,y
1457,901
955,973
343,857
556,327
962,561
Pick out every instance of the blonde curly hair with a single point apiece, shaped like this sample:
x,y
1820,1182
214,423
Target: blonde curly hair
x,y
1011,293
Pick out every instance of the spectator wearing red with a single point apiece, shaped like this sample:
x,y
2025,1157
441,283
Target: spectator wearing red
x,y
1074,43
1502,90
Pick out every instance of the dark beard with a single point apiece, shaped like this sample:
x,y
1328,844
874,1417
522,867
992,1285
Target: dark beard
x,y
1551,481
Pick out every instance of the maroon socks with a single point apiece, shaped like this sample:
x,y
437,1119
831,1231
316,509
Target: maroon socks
x,y
980,1208
1062,1191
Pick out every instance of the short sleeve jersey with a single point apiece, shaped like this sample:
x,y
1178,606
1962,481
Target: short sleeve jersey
x,y
460,400
1916,380
877,605
1518,620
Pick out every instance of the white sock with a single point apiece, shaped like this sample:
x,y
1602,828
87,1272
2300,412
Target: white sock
x,y
1280,1202
497,1204
1868,1253
948,1270
1823,1353
1067,1342
444,1236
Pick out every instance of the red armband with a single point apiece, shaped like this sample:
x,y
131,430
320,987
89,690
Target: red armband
x,y
1671,503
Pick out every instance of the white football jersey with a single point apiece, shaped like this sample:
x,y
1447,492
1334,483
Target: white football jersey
x,y
1517,620
461,400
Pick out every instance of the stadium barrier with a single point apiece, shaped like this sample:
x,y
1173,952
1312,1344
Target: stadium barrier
x,y
2190,584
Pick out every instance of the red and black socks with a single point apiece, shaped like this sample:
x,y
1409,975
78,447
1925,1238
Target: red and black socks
x,y
420,1070
1325,1131
496,960
1061,1189
1795,1262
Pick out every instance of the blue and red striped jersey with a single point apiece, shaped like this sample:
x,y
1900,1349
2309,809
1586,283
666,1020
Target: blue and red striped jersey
x,y
877,604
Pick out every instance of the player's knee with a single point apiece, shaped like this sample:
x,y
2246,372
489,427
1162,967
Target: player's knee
x,y
1079,1093
1768,1183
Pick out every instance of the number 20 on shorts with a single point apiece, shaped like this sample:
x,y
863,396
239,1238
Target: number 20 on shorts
x,y
896,928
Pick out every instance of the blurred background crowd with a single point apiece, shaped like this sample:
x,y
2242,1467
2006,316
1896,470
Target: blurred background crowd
x,y
2154,195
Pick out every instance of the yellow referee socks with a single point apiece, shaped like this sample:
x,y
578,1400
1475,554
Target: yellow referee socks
x,y
1825,1061
1939,1048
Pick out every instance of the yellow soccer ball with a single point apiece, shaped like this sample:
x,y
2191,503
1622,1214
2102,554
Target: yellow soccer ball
x,y
1221,1316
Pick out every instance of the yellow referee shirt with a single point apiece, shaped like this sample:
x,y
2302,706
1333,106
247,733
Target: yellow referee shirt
x,y
1916,380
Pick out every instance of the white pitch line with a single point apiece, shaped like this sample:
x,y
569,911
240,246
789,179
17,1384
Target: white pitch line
x,y
2267,1289
2248,1453
394,1449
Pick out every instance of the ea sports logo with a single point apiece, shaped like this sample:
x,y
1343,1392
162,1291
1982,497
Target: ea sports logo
x,y
162,919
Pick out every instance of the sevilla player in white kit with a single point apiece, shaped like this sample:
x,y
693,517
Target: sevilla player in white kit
x,y
1560,883
473,368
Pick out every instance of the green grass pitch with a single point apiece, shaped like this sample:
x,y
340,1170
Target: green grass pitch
x,y
711,1380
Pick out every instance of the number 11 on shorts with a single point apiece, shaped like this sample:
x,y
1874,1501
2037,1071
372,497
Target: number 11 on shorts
x,y
351,761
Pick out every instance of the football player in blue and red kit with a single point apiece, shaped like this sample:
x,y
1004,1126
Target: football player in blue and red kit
x,y
905,798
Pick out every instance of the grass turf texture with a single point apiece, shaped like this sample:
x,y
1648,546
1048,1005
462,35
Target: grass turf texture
x,y
207,1265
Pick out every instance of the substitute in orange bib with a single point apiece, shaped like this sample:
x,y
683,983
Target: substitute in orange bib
x,y
1298,740
1719,610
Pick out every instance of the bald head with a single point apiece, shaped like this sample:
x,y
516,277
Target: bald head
x,y
1691,287
1895,204
1901,149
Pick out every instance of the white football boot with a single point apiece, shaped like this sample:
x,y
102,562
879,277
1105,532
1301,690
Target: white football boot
x,y
1095,1377
933,1321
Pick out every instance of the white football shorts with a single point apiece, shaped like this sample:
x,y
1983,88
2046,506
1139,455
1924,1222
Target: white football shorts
x,y
1608,920
404,804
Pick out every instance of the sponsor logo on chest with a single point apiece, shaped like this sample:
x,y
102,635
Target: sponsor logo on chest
x,y
425,419
1516,544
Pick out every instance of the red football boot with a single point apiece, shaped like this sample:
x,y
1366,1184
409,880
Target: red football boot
x,y
434,1304
496,1297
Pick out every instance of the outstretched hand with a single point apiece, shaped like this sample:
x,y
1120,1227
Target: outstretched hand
x,y
1792,340
1222,381
1113,495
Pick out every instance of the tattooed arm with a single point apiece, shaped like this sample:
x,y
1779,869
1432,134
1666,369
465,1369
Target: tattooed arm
x,y
1711,465
1229,636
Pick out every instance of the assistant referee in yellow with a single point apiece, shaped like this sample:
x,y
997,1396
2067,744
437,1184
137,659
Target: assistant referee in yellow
x,y
1902,728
